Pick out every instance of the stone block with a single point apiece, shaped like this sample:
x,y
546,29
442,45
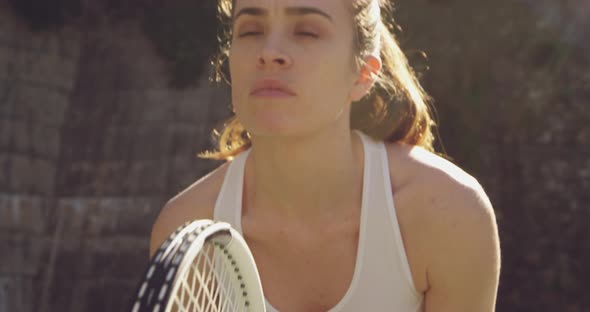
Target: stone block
x,y
21,136
5,132
5,293
30,98
137,217
151,178
21,175
7,97
155,108
120,141
133,174
30,214
9,250
61,294
44,177
150,142
25,214
20,61
38,67
8,68
68,270
15,293
124,291
19,254
48,104
102,217
111,177
108,217
96,298
46,141
69,43
20,109
109,144
7,213
182,133
75,211
194,104
39,64
7,26
121,257
32,42
71,212
4,176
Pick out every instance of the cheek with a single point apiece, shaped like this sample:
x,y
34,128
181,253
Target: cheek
x,y
332,78
239,51
332,62
239,69
235,60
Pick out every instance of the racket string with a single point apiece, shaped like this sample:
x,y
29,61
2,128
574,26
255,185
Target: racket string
x,y
218,290
225,294
208,284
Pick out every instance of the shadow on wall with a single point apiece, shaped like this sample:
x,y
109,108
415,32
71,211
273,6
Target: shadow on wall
x,y
180,30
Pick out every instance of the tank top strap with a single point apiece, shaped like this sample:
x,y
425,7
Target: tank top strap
x,y
229,198
383,228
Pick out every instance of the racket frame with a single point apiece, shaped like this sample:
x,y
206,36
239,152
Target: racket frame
x,y
196,233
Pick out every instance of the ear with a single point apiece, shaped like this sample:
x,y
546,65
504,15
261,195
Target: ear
x,y
367,77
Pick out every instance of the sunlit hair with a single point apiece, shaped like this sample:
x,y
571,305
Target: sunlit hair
x,y
396,109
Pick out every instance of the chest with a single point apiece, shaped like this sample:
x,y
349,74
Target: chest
x,y
306,274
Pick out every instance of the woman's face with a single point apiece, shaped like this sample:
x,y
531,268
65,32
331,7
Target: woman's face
x,y
305,46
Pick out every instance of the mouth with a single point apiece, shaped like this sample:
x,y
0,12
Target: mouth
x,y
271,88
271,93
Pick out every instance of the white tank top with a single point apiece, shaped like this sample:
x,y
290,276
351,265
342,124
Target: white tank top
x,y
382,279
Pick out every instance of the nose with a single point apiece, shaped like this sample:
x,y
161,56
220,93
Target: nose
x,y
272,57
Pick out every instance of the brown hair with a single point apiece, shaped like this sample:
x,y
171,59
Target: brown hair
x,y
396,109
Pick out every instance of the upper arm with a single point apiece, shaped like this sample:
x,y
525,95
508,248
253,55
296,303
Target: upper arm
x,y
195,202
170,217
464,261
452,231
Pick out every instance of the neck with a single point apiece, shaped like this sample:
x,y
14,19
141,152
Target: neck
x,y
298,179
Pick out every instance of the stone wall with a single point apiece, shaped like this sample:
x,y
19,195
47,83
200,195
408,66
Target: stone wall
x,y
37,75
93,141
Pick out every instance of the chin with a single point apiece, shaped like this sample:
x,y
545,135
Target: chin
x,y
282,122
270,123
270,129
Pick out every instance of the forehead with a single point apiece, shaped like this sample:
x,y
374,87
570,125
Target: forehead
x,y
336,8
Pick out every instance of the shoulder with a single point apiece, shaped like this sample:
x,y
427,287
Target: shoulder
x,y
439,191
457,226
440,186
416,164
197,201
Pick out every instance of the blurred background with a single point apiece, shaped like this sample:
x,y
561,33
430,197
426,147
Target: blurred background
x,y
105,104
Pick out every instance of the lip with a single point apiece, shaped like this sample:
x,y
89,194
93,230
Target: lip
x,y
271,88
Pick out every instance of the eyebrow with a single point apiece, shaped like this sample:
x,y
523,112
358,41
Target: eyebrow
x,y
289,11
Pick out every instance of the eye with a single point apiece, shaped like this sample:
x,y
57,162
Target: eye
x,y
249,33
307,34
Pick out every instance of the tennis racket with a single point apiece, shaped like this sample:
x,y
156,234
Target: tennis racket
x,y
202,266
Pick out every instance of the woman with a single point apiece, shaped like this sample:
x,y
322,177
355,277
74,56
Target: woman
x,y
332,180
